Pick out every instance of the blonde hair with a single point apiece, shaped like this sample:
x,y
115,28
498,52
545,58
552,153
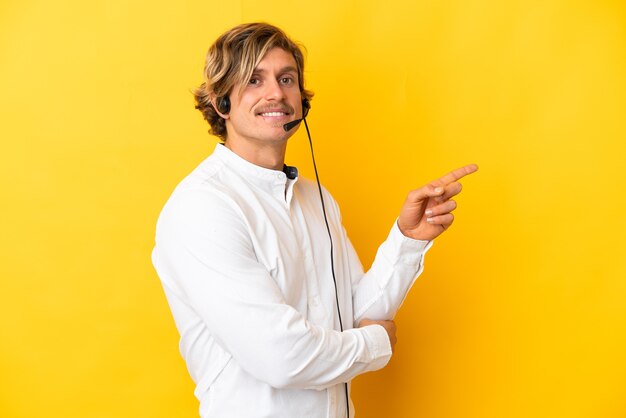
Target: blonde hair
x,y
231,60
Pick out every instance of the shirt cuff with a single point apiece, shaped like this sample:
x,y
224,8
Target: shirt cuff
x,y
378,346
410,250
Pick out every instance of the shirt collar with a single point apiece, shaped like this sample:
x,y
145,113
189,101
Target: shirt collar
x,y
272,181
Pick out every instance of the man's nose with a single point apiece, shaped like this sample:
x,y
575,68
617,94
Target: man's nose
x,y
274,91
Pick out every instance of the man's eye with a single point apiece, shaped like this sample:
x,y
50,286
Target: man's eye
x,y
286,80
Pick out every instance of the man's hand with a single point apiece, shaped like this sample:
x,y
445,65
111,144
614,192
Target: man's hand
x,y
389,326
426,213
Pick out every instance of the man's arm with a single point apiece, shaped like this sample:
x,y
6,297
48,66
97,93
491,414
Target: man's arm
x,y
204,255
426,214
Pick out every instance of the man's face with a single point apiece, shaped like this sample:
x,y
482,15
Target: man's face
x,y
270,99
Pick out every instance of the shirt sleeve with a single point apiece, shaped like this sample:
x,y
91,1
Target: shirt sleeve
x,y
378,293
204,254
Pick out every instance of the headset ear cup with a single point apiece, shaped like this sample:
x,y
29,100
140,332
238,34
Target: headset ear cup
x,y
223,104
306,106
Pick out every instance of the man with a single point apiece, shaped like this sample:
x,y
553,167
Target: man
x,y
244,254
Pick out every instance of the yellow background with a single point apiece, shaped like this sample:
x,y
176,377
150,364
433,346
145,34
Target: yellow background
x,y
522,309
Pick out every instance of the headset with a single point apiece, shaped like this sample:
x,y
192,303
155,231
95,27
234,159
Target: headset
x,y
222,104
306,106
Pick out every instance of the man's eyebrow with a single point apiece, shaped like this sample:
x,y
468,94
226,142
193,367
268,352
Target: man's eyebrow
x,y
288,69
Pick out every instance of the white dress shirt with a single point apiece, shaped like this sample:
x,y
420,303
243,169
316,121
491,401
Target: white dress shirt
x,y
244,257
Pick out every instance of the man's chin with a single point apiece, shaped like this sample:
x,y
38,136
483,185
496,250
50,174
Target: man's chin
x,y
279,135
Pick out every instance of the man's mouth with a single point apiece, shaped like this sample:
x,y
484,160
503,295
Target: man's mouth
x,y
281,111
273,114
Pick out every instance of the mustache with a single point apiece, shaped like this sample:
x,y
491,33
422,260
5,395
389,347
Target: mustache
x,y
281,107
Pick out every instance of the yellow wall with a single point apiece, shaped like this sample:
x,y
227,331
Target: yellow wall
x,y
522,309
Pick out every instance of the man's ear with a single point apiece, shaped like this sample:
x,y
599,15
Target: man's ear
x,y
221,105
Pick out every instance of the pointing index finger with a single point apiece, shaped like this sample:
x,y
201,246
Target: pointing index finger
x,y
457,174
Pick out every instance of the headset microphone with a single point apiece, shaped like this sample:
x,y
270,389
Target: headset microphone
x,y
305,111
290,125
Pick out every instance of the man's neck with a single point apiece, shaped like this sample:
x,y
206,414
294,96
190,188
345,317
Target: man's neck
x,y
267,156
